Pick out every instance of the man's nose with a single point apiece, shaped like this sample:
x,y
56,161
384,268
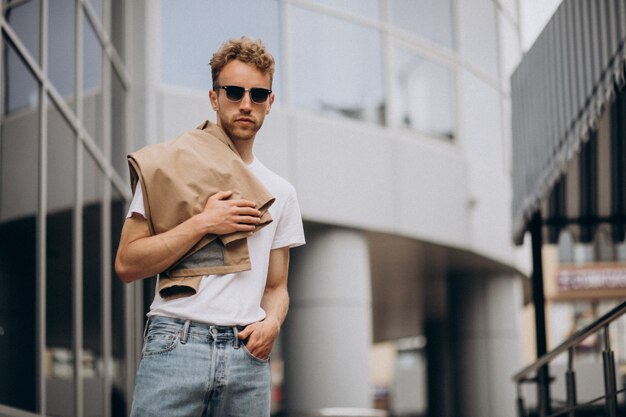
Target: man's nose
x,y
246,101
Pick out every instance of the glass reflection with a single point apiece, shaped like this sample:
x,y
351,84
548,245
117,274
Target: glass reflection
x,y
431,19
188,42
61,32
320,45
19,148
118,125
59,265
23,16
93,363
92,82
423,99
120,356
19,84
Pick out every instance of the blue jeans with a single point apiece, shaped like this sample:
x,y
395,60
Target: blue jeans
x,y
194,369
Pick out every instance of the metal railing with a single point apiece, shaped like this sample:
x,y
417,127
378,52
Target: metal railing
x,y
537,372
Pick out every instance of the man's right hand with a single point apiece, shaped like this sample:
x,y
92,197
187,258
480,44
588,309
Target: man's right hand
x,y
141,254
222,216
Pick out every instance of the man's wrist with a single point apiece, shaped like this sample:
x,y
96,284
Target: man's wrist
x,y
273,321
201,223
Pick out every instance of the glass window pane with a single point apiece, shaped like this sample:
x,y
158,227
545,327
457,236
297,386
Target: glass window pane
x,y
19,148
20,86
118,125
321,44
188,42
367,8
92,82
23,16
61,30
118,326
93,181
431,19
59,265
423,95
18,152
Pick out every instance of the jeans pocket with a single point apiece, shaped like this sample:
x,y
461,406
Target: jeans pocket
x,y
251,356
158,343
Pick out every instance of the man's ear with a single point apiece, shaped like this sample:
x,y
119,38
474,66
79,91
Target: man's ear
x,y
271,102
213,99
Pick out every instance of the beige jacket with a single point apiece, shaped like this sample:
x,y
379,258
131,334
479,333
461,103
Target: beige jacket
x,y
177,178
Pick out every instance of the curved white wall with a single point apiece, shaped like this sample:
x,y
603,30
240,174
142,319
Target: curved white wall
x,y
368,177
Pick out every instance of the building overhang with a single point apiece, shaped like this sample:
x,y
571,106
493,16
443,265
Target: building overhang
x,y
569,124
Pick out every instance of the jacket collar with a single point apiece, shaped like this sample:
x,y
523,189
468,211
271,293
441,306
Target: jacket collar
x,y
217,132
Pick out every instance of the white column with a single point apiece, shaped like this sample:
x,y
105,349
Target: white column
x,y
328,332
487,323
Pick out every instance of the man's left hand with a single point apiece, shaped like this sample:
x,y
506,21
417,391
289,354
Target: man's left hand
x,y
260,337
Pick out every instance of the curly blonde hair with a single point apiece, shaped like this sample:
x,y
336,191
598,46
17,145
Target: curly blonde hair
x,y
244,49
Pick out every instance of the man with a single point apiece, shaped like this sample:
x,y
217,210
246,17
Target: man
x,y
207,354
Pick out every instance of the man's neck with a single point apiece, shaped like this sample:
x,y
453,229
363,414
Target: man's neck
x,y
244,148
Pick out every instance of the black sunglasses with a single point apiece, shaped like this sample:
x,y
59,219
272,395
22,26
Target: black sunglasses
x,y
235,93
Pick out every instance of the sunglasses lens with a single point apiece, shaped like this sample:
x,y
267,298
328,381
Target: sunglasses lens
x,y
234,93
259,95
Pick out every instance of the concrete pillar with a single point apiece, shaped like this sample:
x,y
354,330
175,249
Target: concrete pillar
x,y
486,332
328,332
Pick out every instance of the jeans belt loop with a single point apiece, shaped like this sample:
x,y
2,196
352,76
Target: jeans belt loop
x,y
236,335
185,334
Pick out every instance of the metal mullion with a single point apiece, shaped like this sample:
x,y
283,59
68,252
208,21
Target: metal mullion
x,y
388,65
131,328
105,42
63,108
106,273
43,207
86,138
105,314
77,305
21,49
77,302
130,317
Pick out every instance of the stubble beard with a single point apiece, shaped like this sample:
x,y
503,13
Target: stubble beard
x,y
237,133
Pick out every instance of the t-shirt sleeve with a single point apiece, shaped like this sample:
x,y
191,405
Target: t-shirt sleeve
x,y
136,205
289,231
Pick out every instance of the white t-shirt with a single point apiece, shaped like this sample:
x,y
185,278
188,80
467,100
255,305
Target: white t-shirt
x,y
235,299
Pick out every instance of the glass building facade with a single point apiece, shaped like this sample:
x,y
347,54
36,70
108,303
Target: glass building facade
x,y
64,322
83,82
384,62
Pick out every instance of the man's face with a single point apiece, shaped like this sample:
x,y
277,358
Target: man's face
x,y
240,119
